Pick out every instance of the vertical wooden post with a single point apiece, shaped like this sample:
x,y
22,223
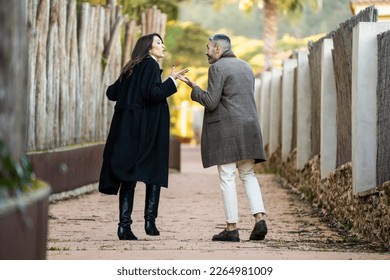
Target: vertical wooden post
x,y
52,79
13,76
42,27
32,56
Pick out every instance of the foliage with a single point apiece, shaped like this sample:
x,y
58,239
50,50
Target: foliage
x,y
183,41
286,7
226,16
135,8
14,176
311,21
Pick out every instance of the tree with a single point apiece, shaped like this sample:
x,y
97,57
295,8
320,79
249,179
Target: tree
x,y
135,8
271,8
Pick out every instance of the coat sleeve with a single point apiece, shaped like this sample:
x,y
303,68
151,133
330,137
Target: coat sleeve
x,y
210,98
152,89
112,91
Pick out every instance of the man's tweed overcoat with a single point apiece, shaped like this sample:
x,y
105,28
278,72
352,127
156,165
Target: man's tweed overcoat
x,y
231,130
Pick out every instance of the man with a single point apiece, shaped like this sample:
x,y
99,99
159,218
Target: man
x,y
231,135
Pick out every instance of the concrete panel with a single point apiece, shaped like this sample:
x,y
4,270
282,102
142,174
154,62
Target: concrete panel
x,y
257,96
303,110
265,105
364,99
328,111
288,71
275,113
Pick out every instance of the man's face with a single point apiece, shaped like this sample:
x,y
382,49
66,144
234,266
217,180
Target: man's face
x,y
213,52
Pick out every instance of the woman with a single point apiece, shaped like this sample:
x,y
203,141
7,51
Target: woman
x,y
137,146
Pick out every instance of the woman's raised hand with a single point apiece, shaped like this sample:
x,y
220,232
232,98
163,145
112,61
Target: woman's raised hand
x,y
176,75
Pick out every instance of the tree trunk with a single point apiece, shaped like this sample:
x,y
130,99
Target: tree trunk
x,y
13,76
270,32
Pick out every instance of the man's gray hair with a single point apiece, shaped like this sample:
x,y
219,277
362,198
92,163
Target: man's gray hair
x,y
221,40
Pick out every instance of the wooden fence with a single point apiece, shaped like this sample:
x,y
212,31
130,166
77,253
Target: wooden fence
x,y
342,125
310,85
75,52
383,101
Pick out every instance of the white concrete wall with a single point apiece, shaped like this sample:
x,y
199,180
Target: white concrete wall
x,y
275,113
328,149
303,110
364,108
257,96
289,66
265,105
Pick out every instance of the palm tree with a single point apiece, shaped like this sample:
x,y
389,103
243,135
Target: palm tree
x,y
271,20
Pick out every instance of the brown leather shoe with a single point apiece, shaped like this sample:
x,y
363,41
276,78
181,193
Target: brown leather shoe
x,y
259,231
225,235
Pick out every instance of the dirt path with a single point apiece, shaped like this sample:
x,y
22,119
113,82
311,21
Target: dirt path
x,y
190,213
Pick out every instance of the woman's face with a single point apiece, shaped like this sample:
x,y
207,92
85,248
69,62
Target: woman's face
x,y
157,48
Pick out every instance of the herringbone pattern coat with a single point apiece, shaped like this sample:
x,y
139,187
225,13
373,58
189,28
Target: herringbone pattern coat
x,y
231,130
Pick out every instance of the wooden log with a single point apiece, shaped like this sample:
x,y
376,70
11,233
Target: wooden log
x,y
32,43
154,19
112,3
64,102
109,47
98,81
130,38
89,70
107,24
73,65
143,24
105,74
163,24
149,21
42,26
13,76
52,89
118,11
83,62
113,15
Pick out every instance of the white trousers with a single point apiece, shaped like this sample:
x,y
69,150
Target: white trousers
x,y
227,175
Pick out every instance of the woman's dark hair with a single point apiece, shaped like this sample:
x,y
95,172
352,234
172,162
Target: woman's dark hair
x,y
140,51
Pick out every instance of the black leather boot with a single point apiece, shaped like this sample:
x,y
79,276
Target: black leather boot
x,y
126,199
152,199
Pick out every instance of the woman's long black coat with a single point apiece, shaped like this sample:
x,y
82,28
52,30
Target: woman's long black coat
x,y
137,146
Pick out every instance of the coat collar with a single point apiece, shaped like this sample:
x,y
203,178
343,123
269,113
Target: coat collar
x,y
156,61
228,54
